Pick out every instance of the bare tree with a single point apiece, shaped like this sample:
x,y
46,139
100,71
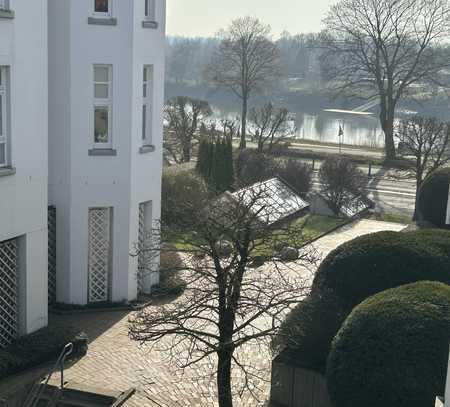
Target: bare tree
x,y
183,117
380,49
271,125
229,128
245,62
229,302
428,141
342,183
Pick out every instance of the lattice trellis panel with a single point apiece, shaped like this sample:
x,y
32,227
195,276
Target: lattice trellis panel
x,y
51,254
141,242
99,253
8,292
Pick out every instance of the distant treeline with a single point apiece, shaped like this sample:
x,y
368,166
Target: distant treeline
x,y
187,58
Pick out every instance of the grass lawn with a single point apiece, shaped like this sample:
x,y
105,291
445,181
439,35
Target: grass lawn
x,y
310,227
392,217
316,225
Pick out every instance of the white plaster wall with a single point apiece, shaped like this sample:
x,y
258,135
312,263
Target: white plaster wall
x,y
80,181
59,136
23,202
146,169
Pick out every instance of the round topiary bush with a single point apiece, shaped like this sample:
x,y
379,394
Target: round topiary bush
x,y
307,330
433,198
373,263
352,273
392,350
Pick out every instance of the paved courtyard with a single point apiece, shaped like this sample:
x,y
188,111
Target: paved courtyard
x,y
114,362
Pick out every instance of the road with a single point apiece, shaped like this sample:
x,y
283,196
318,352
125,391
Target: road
x,y
390,195
329,148
334,149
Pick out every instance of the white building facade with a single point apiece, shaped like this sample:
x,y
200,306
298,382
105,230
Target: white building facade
x,y
81,103
23,167
106,86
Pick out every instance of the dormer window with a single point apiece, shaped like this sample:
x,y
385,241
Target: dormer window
x,y
102,7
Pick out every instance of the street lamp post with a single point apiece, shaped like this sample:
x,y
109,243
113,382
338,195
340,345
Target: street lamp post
x,y
343,114
341,135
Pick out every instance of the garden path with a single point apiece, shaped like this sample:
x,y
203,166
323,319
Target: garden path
x,y
115,362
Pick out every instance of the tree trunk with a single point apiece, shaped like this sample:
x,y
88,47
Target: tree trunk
x,y
244,123
417,217
186,153
387,124
224,394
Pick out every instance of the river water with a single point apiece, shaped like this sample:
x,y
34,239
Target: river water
x,y
324,128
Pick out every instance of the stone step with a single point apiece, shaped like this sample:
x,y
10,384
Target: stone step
x,y
76,395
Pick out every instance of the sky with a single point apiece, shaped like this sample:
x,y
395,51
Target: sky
x,y
205,17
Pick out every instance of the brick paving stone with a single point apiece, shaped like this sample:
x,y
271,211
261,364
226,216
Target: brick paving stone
x,y
117,363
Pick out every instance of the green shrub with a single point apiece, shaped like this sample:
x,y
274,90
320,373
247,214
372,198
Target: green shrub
x,y
392,350
39,347
433,197
373,263
215,163
183,192
252,166
355,271
297,174
307,329
170,281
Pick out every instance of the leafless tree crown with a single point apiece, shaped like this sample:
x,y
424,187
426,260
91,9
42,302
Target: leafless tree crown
x,y
380,49
270,124
246,58
229,301
183,116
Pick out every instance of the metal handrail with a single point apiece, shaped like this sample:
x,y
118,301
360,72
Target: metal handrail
x,y
38,388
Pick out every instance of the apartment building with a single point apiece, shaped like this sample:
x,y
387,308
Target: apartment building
x,y
106,70
81,103
23,167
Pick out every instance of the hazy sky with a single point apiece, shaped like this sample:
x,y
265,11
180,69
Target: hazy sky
x,y
206,17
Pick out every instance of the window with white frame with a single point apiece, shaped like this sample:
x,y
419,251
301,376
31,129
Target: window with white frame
x,y
150,10
103,7
102,106
4,4
147,106
4,115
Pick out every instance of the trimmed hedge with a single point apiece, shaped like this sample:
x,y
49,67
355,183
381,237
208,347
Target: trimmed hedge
x,y
307,329
373,263
433,198
353,272
40,347
392,350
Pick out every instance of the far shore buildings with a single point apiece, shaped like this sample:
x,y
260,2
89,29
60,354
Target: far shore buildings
x,y
81,100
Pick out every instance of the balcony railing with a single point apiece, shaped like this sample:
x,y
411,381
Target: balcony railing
x,y
4,5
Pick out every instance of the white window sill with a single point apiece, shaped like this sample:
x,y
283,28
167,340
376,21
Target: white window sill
x,y
147,149
6,171
149,24
102,20
102,152
7,14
